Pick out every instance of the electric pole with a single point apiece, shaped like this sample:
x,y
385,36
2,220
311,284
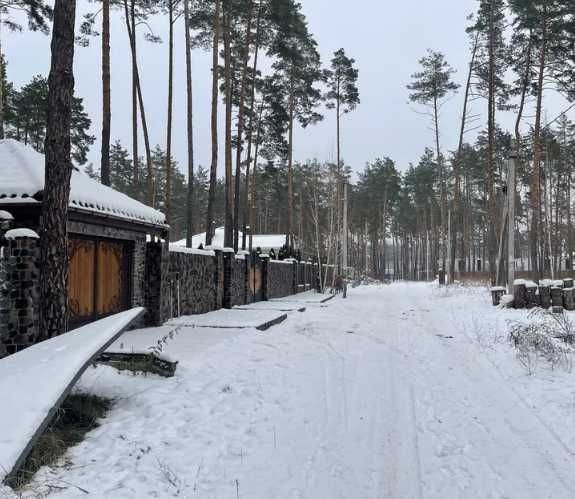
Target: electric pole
x,y
344,231
511,218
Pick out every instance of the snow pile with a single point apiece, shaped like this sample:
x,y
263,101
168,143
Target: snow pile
x,y
22,180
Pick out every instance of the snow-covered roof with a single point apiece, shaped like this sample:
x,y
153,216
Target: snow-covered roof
x,y
264,242
22,178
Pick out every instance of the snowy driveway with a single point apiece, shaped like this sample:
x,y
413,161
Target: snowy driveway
x,y
398,392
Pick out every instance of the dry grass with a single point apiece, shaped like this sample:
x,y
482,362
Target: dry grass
x,y
78,415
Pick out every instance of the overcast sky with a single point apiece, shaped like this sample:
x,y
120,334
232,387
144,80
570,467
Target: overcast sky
x,y
386,38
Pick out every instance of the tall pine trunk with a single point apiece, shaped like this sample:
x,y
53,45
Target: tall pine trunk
x,y
214,128
53,230
249,193
190,127
291,112
2,77
535,235
106,95
131,27
457,212
131,20
491,201
168,193
229,213
241,114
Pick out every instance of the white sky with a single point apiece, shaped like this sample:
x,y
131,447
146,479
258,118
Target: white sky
x,y
387,40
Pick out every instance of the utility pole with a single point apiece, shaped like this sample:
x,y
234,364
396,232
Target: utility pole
x,y
366,250
427,256
511,218
344,231
449,276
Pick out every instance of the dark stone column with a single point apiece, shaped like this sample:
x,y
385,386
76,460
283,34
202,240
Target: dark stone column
x,y
20,292
265,262
157,283
228,276
218,279
295,279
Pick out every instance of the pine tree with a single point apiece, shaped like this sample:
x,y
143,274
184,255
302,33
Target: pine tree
x,y
343,96
546,22
26,119
53,234
296,73
38,14
430,87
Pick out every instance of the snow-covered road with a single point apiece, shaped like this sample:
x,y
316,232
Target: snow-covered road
x,y
398,392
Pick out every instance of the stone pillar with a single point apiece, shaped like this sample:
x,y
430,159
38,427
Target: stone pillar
x,y
20,291
295,278
157,285
218,279
229,256
265,259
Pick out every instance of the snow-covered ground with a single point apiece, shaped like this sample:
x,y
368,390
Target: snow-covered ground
x,y
404,391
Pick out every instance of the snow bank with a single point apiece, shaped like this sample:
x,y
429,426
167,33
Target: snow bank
x,y
33,381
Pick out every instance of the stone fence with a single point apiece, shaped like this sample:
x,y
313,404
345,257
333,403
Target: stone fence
x,y
174,283
185,281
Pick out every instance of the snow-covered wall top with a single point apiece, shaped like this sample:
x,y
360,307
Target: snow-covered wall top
x,y
22,177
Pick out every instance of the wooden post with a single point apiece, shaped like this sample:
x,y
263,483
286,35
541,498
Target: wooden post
x,y
511,219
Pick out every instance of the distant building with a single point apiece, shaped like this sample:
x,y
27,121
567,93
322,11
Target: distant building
x,y
266,242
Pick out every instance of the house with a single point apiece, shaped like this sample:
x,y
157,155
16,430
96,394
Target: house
x,y
266,242
107,233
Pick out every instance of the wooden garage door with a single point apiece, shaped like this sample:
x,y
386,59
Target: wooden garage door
x,y
98,280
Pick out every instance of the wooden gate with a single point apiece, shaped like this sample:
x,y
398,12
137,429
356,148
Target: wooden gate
x,y
255,280
98,279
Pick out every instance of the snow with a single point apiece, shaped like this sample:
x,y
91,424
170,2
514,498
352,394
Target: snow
x,y
190,251
273,305
180,342
32,381
376,396
229,318
22,178
307,297
21,233
498,288
265,242
5,215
